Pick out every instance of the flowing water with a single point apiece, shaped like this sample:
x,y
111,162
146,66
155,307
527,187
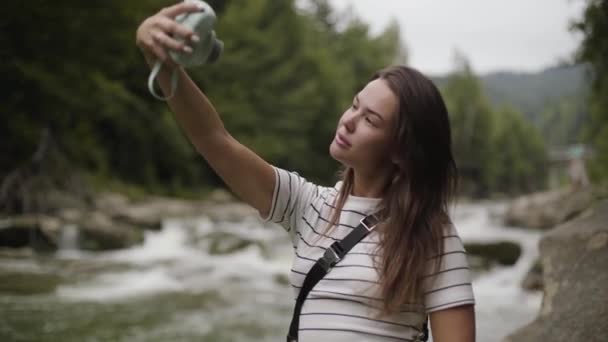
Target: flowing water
x,y
171,288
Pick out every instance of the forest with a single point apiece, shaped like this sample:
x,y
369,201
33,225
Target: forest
x,y
72,71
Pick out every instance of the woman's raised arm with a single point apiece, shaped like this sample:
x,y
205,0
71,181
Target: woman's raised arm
x,y
250,177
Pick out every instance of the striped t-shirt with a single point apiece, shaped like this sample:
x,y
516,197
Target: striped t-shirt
x,y
342,305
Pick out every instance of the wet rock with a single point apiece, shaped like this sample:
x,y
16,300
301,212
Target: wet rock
x,y
113,221
149,213
478,264
100,232
533,280
574,258
71,215
226,243
503,252
545,210
39,232
111,203
16,253
229,212
56,200
281,279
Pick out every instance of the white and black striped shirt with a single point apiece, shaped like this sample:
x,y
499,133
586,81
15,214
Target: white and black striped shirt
x,y
342,305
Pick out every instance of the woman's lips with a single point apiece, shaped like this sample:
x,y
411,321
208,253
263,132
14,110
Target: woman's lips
x,y
342,141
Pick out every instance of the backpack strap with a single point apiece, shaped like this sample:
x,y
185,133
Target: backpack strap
x,y
330,258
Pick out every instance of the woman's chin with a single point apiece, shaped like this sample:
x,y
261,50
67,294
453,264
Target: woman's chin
x,y
337,153
334,151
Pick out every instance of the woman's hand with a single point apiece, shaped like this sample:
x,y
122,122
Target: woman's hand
x,y
157,33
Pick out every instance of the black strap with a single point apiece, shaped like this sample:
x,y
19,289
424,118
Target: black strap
x,y
330,258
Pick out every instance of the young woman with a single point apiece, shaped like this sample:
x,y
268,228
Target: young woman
x,y
394,145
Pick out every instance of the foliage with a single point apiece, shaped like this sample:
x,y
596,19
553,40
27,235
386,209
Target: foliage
x,y
496,151
73,67
594,50
286,75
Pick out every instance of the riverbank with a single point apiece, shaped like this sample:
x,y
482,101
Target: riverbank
x,y
179,284
213,260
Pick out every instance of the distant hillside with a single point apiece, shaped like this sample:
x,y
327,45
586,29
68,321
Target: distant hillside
x,y
529,92
554,99
532,92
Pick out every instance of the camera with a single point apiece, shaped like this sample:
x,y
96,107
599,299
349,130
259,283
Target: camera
x,y
207,50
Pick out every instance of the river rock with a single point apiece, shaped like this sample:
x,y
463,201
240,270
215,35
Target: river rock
x,y
149,213
72,215
545,210
281,279
39,232
501,252
111,203
16,253
533,280
227,243
574,258
229,212
55,200
98,231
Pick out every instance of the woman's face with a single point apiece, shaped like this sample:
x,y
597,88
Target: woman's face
x,y
364,132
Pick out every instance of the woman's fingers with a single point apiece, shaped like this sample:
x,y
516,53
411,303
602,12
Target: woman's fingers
x,y
174,29
179,8
163,39
160,53
161,32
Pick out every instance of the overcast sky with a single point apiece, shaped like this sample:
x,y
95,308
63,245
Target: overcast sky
x,y
525,35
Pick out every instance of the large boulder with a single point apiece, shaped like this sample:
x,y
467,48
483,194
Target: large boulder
x,y
574,259
40,232
101,232
111,203
93,231
149,213
545,210
501,252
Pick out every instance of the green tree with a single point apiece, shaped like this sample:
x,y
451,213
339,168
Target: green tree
x,y
520,155
472,122
284,79
72,67
594,51
562,122
497,151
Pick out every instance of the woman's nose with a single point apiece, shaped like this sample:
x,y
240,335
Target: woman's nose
x,y
350,121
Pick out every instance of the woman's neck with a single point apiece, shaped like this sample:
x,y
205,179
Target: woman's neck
x,y
371,184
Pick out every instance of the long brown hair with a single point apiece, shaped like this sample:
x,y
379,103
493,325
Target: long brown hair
x,y
415,201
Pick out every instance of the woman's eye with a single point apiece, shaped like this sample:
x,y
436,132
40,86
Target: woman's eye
x,y
369,120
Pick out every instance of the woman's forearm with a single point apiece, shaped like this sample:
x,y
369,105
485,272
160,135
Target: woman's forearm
x,y
192,109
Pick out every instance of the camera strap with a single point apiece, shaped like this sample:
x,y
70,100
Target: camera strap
x,y
330,258
155,70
